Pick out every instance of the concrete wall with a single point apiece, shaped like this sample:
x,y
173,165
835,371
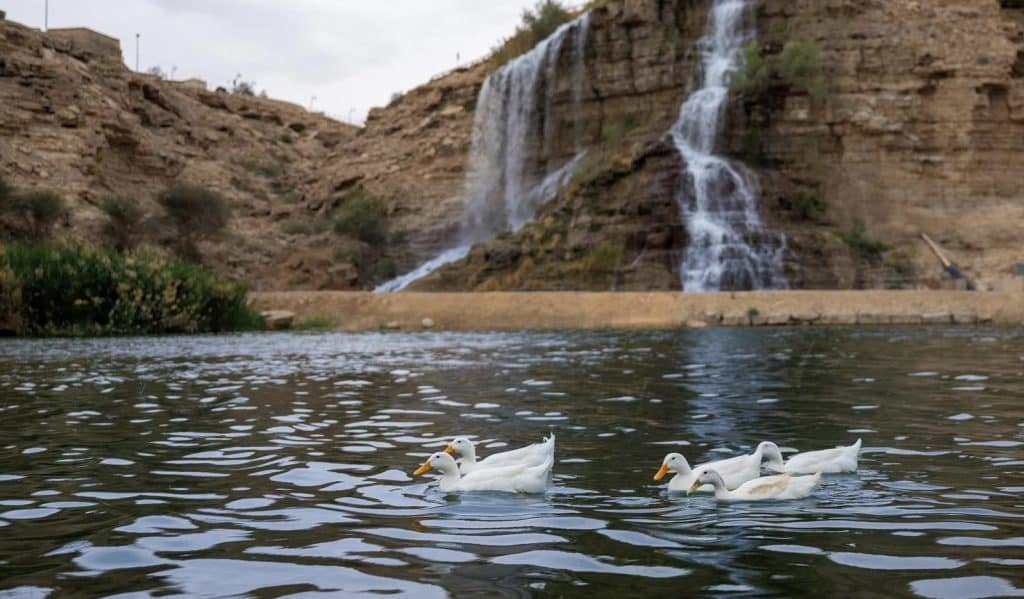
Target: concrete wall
x,y
552,311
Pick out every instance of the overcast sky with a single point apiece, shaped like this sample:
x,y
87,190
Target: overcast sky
x,y
350,54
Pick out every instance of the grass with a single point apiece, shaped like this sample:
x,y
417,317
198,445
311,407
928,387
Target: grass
x,y
75,289
319,322
857,239
298,225
268,170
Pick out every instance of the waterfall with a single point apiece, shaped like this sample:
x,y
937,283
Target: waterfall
x,y
514,167
729,248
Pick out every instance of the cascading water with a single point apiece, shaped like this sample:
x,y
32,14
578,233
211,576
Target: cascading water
x,y
513,164
729,248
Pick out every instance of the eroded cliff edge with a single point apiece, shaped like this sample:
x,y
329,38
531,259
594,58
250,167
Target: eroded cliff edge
x,y
921,130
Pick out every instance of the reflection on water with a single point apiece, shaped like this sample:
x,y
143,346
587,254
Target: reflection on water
x,y
279,464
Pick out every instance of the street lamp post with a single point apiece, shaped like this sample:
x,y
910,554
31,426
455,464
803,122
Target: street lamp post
x,y
46,16
137,36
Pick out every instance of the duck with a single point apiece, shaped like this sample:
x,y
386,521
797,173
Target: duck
x,y
777,487
829,461
734,471
464,451
509,479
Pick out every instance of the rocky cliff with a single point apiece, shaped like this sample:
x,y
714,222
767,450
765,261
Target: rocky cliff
x,y
920,129
74,119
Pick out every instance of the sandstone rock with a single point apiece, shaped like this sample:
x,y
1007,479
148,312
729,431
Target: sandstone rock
x,y
428,323
276,320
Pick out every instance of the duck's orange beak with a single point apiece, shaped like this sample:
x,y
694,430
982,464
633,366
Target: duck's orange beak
x,y
450,450
661,472
424,468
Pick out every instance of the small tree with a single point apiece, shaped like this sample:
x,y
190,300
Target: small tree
x,y
800,66
545,18
157,72
361,216
39,210
124,226
196,213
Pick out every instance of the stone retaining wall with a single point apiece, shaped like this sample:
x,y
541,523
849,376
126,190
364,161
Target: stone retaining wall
x,y
660,310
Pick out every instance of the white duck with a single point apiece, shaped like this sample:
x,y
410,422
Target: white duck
x,y
510,479
531,455
779,486
830,461
734,471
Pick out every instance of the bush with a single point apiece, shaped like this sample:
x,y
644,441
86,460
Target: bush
x,y
39,210
754,72
361,216
537,24
805,206
5,191
797,66
124,226
858,240
196,213
80,290
10,301
269,170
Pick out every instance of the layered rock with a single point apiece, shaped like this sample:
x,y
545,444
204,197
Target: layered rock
x,y
74,119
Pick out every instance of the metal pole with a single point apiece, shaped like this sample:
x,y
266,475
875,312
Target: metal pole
x,y
46,16
137,36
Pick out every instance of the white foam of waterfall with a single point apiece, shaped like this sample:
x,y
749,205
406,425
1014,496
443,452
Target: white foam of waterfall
x,y
513,164
729,248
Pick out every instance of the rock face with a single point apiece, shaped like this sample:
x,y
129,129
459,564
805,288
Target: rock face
x,y
921,130
74,119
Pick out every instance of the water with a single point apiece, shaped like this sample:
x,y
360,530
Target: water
x,y
280,464
514,166
729,248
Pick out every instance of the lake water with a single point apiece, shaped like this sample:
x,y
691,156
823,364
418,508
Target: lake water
x,y
279,465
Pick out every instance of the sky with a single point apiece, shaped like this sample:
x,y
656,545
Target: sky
x,y
341,56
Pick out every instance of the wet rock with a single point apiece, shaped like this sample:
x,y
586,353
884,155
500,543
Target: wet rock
x,y
277,320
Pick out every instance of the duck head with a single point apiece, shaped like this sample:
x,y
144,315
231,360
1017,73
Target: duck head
x,y
673,462
440,462
461,447
706,476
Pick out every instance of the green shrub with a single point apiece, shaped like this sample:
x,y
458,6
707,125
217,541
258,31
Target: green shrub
x,y
269,170
38,210
361,216
298,225
799,65
804,206
10,300
858,240
754,71
125,220
80,290
196,213
536,25
5,191
316,323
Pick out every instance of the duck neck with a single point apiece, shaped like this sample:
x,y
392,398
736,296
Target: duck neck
x,y
721,491
449,479
470,456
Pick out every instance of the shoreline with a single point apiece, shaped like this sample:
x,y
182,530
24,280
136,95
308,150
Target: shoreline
x,y
507,311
